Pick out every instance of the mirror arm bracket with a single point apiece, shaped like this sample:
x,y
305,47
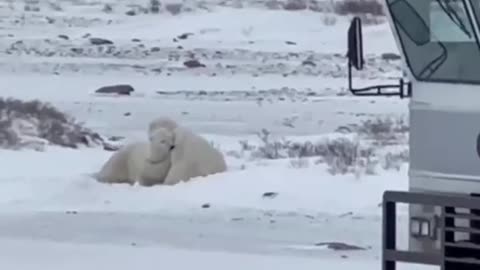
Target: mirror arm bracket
x,y
402,89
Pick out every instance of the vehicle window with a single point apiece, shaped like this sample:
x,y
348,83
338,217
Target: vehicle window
x,y
438,39
449,22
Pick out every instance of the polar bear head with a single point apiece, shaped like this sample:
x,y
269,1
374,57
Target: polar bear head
x,y
162,141
162,122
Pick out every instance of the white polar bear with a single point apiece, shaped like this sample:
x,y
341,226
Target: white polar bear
x,y
192,155
144,162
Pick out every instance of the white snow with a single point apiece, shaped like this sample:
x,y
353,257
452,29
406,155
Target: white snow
x,y
61,183
261,214
67,256
305,28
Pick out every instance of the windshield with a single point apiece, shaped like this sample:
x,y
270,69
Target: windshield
x,y
439,38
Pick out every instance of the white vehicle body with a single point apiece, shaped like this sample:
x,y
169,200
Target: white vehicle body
x,y
440,48
445,102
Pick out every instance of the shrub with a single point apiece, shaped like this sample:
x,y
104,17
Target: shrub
x,y
154,6
31,122
345,7
342,155
294,5
107,8
382,130
365,147
174,8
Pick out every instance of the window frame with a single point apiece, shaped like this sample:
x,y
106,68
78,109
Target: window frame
x,y
473,19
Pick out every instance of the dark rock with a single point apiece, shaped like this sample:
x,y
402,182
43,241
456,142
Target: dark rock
x,y
120,89
193,64
100,41
116,138
270,195
345,130
184,35
76,50
206,205
390,56
338,246
131,13
308,63
63,37
290,43
110,147
135,40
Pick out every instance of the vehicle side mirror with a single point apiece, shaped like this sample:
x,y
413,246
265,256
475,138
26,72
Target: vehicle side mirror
x,y
355,60
355,44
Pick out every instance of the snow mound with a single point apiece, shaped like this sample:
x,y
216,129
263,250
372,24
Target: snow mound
x,y
34,125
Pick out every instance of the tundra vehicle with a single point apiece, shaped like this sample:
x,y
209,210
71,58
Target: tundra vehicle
x,y
440,50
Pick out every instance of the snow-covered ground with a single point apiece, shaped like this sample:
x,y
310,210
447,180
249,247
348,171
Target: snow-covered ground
x,y
283,71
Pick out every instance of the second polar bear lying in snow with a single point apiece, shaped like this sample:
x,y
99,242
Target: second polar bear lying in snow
x,y
192,156
144,162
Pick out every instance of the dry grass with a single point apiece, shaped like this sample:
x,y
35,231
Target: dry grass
x,y
358,149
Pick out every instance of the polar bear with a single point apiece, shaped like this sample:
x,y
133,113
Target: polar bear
x,y
162,122
192,155
145,162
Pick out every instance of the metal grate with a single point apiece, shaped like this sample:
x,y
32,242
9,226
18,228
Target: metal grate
x,y
453,254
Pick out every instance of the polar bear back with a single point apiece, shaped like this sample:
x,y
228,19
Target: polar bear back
x,y
193,156
210,160
124,166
